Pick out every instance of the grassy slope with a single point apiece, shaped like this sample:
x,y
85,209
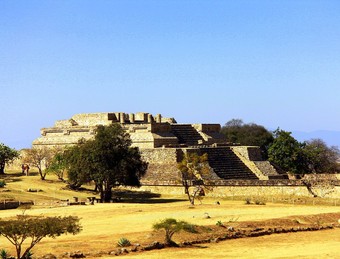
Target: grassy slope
x,y
104,224
52,188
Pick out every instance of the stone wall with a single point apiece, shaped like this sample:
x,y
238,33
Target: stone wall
x,y
146,130
269,188
210,133
162,164
87,120
207,127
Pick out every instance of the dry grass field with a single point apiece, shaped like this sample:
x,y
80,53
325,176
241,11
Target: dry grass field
x,y
104,224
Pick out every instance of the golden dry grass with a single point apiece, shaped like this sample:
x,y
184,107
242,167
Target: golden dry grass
x,y
104,224
321,244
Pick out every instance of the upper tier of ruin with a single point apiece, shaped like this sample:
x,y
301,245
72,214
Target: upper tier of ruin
x,y
146,130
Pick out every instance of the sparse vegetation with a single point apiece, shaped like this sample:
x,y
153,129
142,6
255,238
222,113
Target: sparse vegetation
x,y
172,226
123,242
219,223
4,254
2,183
193,167
95,219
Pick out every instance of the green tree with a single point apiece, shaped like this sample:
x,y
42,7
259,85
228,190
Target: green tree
x,y
30,230
172,226
249,134
108,160
7,155
58,165
320,158
287,153
193,167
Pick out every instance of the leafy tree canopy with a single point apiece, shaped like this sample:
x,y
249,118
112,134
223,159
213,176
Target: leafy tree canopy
x,y
172,226
287,153
28,230
312,156
320,158
108,160
250,134
7,155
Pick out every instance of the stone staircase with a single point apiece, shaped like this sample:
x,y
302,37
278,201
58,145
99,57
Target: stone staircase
x,y
186,134
227,165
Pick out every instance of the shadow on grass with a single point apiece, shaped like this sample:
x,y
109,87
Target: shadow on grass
x,y
16,176
13,177
127,196
19,174
150,201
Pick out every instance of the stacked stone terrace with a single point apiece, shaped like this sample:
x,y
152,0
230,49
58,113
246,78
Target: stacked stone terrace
x,y
163,142
146,131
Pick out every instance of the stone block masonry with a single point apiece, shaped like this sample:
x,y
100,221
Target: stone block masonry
x,y
163,143
146,130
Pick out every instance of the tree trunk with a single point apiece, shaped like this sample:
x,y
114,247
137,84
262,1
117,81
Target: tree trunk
x,y
191,199
105,192
2,168
18,248
186,190
169,241
42,175
107,195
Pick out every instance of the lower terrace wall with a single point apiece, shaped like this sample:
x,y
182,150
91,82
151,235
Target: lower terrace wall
x,y
162,164
246,188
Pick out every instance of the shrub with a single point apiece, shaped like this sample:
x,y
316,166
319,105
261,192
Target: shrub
x,y
4,254
171,226
219,223
123,242
2,183
248,201
29,255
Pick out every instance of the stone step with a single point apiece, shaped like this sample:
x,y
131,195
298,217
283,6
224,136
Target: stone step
x,y
227,165
186,134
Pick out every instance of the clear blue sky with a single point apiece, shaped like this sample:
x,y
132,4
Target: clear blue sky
x,y
274,63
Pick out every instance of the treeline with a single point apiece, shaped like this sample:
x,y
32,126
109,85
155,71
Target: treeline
x,y
283,150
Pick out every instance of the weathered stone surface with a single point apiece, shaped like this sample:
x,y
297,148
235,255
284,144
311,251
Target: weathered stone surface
x,y
163,143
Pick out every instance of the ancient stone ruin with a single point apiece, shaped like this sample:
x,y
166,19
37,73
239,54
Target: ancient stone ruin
x,y
163,142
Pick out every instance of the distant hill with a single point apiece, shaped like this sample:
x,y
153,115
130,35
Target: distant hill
x,y
332,138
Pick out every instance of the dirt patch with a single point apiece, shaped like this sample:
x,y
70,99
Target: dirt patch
x,y
221,232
